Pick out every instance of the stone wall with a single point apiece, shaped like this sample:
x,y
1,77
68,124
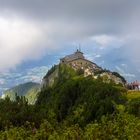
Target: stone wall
x,y
80,62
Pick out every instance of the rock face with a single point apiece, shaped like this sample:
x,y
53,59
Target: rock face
x,y
71,64
111,77
50,77
57,72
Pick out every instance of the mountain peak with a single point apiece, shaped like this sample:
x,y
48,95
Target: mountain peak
x,y
75,64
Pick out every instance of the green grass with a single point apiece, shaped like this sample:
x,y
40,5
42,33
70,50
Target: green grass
x,y
131,94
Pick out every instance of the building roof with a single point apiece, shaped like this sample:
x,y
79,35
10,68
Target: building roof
x,y
135,83
78,54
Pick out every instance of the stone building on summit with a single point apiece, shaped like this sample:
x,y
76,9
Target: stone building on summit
x,y
78,61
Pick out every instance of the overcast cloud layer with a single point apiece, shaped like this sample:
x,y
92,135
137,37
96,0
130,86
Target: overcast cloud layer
x,y
29,29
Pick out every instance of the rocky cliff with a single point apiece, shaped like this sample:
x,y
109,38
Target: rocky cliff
x,y
67,71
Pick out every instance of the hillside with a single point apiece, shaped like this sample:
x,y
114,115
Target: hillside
x,y
29,90
70,106
58,70
78,65
80,99
132,94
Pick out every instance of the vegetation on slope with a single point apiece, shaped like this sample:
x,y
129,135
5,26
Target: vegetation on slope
x,y
74,107
119,127
29,90
80,100
58,72
133,103
132,94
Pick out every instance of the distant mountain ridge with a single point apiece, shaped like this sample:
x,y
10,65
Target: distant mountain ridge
x,y
29,90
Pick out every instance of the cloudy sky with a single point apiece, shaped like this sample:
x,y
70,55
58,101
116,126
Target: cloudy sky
x,y
34,34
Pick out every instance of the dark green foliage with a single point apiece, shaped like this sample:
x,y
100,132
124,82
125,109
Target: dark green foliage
x,y
133,107
16,112
93,97
58,74
80,71
122,126
65,73
73,108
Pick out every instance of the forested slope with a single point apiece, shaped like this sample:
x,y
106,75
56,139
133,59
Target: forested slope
x,y
74,107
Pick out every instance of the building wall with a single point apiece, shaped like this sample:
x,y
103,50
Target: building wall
x,y
80,63
79,55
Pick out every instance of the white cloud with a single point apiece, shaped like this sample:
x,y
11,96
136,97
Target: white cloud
x,y
129,75
20,40
2,81
125,73
10,79
98,55
35,74
102,39
106,40
39,25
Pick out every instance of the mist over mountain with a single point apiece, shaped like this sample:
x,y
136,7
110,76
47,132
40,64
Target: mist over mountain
x,y
35,34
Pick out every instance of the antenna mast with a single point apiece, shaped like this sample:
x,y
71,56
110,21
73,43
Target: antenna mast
x,y
79,47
